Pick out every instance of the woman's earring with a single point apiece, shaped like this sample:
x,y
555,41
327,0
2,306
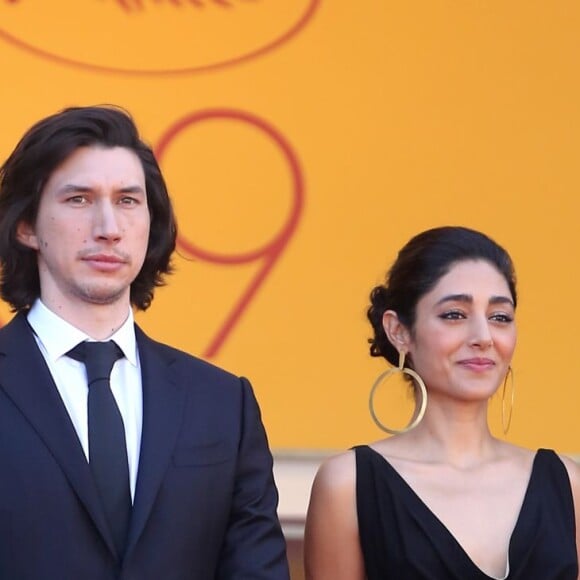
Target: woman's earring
x,y
506,423
419,412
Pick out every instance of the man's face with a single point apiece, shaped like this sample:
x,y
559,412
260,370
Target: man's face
x,y
92,228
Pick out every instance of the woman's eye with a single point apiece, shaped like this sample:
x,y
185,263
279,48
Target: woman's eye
x,y
452,315
501,317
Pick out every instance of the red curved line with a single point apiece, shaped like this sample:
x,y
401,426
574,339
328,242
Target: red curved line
x,y
295,171
231,321
125,5
270,251
301,23
216,258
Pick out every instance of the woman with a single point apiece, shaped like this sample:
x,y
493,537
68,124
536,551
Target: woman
x,y
446,499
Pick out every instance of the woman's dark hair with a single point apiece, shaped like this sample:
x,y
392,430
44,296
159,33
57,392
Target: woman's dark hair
x,y
419,266
43,148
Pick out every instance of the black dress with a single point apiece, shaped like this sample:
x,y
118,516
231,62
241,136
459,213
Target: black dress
x,y
401,538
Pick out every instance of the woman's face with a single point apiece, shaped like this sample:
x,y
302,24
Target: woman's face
x,y
465,334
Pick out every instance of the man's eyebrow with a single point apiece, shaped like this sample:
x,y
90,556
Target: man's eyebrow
x,y
73,187
131,189
76,188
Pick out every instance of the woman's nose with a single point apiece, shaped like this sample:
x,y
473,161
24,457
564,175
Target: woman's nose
x,y
481,335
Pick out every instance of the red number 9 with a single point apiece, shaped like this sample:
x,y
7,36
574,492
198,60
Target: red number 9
x,y
266,255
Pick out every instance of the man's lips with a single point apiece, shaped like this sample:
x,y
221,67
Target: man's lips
x,y
103,258
104,262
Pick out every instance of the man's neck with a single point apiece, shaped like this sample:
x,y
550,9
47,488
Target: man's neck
x,y
99,321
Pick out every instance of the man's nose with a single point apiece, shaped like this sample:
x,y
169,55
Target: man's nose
x,y
105,221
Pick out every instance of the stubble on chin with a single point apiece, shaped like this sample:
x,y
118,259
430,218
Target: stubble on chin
x,y
100,296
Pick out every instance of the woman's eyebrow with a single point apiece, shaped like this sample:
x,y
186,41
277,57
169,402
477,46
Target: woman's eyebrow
x,y
468,298
455,298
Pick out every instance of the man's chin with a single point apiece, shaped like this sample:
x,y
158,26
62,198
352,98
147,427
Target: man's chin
x,y
103,296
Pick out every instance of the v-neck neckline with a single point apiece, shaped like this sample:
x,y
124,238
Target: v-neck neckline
x,y
440,524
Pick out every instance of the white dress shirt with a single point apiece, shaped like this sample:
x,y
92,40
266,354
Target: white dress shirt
x,y
55,337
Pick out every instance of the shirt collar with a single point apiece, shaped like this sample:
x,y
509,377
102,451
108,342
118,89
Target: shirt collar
x,y
58,336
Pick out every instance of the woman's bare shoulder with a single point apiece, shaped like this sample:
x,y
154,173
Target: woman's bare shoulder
x,y
332,506
337,471
331,541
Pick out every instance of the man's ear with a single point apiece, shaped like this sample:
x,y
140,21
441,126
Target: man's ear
x,y
396,331
26,236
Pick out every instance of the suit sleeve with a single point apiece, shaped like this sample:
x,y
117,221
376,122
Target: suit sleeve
x,y
254,546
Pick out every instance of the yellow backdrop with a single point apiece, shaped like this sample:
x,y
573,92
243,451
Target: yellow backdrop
x,y
304,141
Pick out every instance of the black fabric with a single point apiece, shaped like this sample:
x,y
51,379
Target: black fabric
x,y
402,539
107,446
205,501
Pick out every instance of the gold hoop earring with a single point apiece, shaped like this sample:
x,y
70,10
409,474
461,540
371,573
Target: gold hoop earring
x,y
506,424
419,413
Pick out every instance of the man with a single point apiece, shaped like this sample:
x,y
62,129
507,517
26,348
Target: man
x,y
158,469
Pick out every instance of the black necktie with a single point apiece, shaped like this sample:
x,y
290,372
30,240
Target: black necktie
x,y
107,447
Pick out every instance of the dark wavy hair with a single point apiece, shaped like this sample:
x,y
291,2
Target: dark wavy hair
x,y
419,265
43,148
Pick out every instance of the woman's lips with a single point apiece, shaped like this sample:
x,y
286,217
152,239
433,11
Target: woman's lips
x,y
477,364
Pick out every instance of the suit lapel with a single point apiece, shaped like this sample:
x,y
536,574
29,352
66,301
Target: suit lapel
x,y
163,404
26,379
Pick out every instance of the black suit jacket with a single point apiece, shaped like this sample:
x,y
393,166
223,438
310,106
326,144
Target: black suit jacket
x,y
205,501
